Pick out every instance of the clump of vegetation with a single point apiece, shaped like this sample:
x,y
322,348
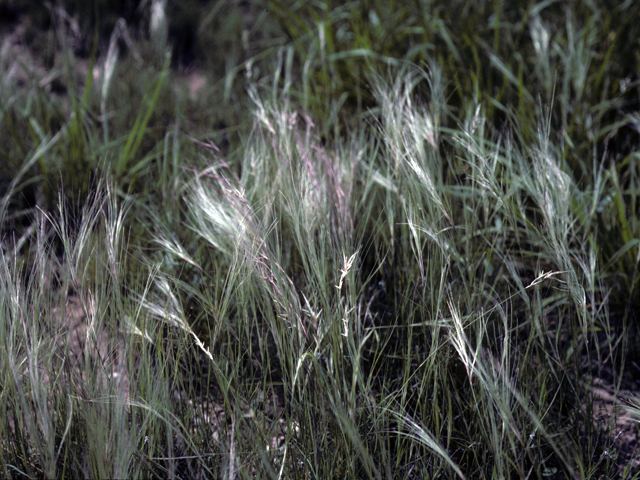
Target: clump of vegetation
x,y
384,241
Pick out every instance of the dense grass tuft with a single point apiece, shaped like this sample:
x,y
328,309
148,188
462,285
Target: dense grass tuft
x,y
384,241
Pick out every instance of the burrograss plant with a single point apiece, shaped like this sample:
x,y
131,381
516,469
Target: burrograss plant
x,y
399,278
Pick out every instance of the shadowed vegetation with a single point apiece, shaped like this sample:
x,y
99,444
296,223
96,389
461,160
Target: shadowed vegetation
x,y
319,240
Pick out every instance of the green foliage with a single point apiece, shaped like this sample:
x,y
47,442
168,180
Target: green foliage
x,y
383,240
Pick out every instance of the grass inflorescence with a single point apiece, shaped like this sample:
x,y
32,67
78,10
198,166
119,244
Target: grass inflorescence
x,y
373,240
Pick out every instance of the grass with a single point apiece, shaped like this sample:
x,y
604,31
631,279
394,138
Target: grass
x,y
386,242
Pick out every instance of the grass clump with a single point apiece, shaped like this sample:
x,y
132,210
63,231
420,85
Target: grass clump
x,y
422,272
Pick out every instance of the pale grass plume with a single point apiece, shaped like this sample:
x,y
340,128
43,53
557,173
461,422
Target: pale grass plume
x,y
346,268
